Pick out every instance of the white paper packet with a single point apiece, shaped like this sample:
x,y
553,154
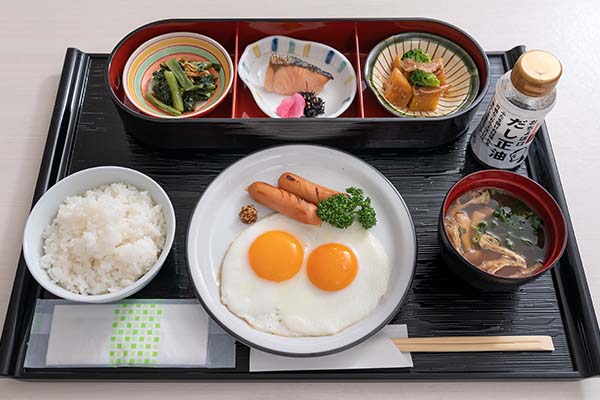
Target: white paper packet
x,y
130,333
377,352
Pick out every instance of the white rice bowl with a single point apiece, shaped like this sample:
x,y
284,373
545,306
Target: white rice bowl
x,y
104,240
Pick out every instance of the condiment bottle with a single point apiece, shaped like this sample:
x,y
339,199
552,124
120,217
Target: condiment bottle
x,y
523,98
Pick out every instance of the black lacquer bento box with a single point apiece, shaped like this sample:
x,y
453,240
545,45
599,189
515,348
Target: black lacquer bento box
x,y
423,159
238,123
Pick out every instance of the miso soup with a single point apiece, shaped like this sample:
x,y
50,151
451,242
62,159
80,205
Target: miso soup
x,y
497,232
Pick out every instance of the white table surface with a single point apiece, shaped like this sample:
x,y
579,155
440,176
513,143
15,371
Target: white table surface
x,y
34,36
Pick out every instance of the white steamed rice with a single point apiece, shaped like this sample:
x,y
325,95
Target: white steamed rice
x,y
104,240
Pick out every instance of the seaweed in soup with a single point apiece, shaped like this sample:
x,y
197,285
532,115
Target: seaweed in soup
x,y
497,232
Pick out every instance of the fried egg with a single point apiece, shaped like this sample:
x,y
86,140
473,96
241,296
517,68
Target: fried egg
x,y
292,279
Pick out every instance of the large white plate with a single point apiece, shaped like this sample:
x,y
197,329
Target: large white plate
x,y
215,223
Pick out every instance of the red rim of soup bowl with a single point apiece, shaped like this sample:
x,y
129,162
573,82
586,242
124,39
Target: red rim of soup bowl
x,y
527,190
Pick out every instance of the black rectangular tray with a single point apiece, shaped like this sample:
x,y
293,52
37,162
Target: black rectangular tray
x,y
86,131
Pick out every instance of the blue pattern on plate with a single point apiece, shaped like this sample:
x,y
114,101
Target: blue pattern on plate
x,y
329,57
256,54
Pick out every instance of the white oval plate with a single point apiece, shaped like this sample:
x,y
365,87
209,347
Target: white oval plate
x,y
215,223
337,93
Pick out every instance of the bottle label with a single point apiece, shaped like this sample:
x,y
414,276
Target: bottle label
x,y
502,138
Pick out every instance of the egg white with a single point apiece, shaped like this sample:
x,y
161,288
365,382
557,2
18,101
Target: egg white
x,y
296,307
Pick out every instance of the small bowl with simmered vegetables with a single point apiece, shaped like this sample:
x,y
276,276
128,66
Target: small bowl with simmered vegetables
x,y
498,230
418,74
178,75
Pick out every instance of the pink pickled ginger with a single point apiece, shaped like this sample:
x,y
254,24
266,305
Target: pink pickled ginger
x,y
291,107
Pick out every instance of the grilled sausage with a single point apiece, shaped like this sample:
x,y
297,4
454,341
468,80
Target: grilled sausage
x,y
284,202
304,188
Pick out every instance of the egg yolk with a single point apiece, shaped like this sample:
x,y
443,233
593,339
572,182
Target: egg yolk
x,y
276,256
332,266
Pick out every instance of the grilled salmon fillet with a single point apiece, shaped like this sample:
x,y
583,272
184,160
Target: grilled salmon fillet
x,y
287,75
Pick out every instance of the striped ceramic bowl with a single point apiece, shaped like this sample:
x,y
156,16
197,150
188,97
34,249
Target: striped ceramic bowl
x,y
337,93
461,72
146,59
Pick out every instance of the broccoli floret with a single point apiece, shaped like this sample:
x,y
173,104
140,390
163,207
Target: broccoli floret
x,y
420,78
417,54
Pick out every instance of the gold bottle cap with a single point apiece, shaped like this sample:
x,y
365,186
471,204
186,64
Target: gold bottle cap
x,y
536,73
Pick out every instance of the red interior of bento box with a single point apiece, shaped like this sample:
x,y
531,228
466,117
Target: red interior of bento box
x,y
354,39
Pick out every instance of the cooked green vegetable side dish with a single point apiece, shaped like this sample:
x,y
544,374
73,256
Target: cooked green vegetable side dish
x,y
340,210
180,84
497,232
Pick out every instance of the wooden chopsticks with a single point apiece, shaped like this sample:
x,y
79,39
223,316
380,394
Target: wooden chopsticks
x,y
475,344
